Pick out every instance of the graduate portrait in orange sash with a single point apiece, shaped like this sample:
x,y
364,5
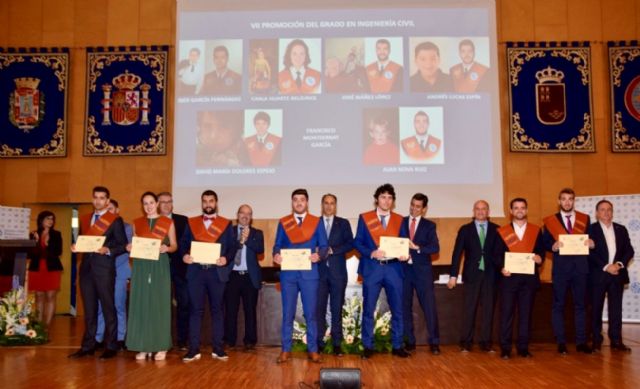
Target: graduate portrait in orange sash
x,y
296,77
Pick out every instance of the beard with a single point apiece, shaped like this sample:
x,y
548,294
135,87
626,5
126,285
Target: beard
x,y
208,211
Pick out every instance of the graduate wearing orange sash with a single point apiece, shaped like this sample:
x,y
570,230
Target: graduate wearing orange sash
x,y
300,230
384,75
297,77
517,289
98,274
379,271
208,280
422,146
568,271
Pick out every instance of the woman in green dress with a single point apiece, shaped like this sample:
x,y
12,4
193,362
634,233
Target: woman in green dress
x,y
149,326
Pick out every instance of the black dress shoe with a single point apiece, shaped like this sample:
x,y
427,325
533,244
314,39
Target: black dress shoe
x,y
122,345
435,349
249,346
525,354
410,347
583,348
505,354
337,350
108,354
80,353
99,346
400,352
596,347
367,353
562,349
620,347
487,348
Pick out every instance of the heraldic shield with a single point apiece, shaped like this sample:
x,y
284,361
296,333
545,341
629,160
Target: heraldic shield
x,y
551,107
624,71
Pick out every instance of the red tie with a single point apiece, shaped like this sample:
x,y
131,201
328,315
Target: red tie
x,y
569,225
412,228
210,218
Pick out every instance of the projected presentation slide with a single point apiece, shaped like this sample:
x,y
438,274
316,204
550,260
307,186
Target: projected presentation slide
x,y
337,97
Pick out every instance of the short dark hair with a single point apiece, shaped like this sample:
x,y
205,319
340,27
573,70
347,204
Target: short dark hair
x,y
149,193
300,191
467,42
422,113
221,49
101,189
115,203
329,195
195,49
43,215
567,191
385,41
421,197
518,200
290,46
209,192
603,201
262,116
165,193
386,188
426,46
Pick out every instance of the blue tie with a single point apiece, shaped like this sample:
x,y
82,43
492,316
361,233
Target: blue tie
x,y
95,218
383,221
299,220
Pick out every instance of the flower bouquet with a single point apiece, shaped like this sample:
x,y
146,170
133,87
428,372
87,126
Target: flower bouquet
x,y
18,325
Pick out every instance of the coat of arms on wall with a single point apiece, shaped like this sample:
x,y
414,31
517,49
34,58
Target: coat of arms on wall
x,y
126,101
624,69
33,100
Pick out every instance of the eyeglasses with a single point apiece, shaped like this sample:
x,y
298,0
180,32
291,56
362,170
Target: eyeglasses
x,y
166,202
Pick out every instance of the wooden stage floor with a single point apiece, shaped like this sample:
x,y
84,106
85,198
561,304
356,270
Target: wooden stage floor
x,y
47,367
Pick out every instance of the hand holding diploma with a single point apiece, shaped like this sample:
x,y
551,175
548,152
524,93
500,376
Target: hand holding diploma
x,y
574,244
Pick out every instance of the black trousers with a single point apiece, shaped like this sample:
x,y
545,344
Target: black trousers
x,y
612,289
97,284
181,294
331,290
517,291
481,292
239,288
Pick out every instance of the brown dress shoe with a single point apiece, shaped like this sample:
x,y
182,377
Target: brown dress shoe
x,y
315,357
285,356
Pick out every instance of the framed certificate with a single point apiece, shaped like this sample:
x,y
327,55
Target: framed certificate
x,y
573,244
519,263
205,253
394,247
89,243
145,248
295,259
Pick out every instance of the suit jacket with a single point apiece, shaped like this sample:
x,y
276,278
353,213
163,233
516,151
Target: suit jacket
x,y
317,241
230,84
599,255
116,242
564,264
365,245
123,269
468,243
425,238
52,253
498,258
178,266
255,247
341,242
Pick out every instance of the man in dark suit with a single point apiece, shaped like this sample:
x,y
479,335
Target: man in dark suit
x,y
476,240
245,281
569,271
178,271
608,262
222,80
418,273
333,272
518,289
208,279
98,274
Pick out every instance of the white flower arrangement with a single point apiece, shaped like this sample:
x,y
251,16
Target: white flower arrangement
x,y
17,322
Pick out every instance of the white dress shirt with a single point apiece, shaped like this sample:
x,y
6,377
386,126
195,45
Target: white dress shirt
x,y
519,230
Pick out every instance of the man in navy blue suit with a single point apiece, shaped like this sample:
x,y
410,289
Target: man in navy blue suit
x,y
608,262
208,280
476,240
300,230
379,271
333,272
569,271
245,281
418,274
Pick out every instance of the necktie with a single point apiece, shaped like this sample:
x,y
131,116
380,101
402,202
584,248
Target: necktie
x,y
569,225
193,68
299,220
95,218
298,79
238,259
482,239
327,226
412,228
383,221
381,69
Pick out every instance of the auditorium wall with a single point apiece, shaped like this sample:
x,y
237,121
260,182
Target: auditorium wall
x,y
78,24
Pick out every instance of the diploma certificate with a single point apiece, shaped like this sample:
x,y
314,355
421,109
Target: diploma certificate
x,y
205,253
519,263
145,248
295,259
394,247
573,244
89,243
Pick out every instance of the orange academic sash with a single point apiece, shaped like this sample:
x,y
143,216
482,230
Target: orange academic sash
x,y
515,245
412,148
262,154
299,233
375,227
556,227
383,82
99,227
288,86
211,234
160,229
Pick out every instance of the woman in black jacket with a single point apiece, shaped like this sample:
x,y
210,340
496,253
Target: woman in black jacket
x,y
45,268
